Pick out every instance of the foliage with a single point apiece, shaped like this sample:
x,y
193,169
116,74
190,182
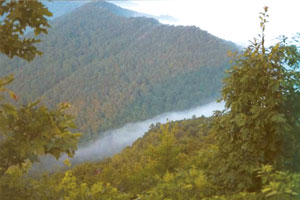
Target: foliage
x,y
165,155
238,196
115,69
261,123
131,175
189,184
249,151
279,184
15,18
14,181
142,169
68,189
29,131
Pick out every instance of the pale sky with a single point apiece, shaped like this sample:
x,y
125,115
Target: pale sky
x,y
234,20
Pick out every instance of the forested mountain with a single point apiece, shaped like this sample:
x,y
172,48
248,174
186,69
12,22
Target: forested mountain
x,y
115,69
247,151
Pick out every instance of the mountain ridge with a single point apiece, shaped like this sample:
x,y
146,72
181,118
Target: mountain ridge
x,y
117,69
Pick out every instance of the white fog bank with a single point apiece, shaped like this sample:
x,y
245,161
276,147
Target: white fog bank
x,y
115,140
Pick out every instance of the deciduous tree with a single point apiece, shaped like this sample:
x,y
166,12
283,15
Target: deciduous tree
x,y
28,131
261,122
16,17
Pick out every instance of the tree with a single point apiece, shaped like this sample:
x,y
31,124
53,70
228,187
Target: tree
x,y
28,131
15,18
261,122
70,190
165,155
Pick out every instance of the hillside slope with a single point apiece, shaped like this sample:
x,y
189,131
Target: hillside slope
x,y
115,69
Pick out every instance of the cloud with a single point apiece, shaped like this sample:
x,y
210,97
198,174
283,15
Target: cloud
x,y
233,20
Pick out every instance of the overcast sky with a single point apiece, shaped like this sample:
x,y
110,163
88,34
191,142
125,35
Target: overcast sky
x,y
235,20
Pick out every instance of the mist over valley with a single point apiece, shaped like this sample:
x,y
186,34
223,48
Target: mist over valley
x,y
102,102
114,67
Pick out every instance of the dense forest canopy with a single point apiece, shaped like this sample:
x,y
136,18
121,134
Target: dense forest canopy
x,y
120,69
249,151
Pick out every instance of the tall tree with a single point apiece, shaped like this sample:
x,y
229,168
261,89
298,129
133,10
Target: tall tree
x,y
261,123
28,131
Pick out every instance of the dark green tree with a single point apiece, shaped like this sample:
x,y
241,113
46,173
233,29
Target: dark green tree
x,y
261,122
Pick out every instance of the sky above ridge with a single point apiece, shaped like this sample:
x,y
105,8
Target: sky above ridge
x,y
234,20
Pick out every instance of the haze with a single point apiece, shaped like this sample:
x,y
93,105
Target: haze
x,y
233,20
115,140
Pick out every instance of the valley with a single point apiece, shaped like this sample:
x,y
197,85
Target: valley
x,y
98,102
114,69
113,141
